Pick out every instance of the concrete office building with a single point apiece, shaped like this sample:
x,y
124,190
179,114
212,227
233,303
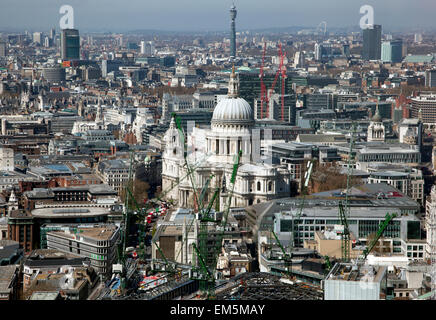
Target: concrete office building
x,y
46,42
6,159
316,101
372,43
392,51
369,204
52,34
70,44
318,51
426,103
384,153
345,282
53,74
430,78
37,37
408,182
107,66
115,173
146,48
273,110
99,244
3,49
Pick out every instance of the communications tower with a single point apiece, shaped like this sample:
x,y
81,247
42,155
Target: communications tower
x,y
233,31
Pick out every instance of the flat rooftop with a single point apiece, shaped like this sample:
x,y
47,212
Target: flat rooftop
x,y
348,272
97,233
70,212
48,295
6,276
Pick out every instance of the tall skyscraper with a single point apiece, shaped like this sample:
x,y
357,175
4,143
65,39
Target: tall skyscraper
x,y
392,51
52,34
147,48
430,78
233,32
37,37
318,51
70,44
346,50
46,42
142,46
3,49
299,60
372,43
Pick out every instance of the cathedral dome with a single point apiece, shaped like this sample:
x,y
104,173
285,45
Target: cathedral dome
x,y
233,109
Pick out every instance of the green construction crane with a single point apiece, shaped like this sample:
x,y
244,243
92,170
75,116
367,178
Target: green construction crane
x,y
382,228
207,283
345,235
141,211
327,261
169,266
344,213
295,235
350,169
202,262
185,153
206,277
188,174
198,201
204,191
307,175
204,216
125,229
204,274
126,211
286,257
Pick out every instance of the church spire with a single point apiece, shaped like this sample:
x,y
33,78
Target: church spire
x,y
99,115
377,117
233,84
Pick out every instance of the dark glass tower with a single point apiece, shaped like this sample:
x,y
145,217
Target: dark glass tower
x,y
70,44
233,32
372,43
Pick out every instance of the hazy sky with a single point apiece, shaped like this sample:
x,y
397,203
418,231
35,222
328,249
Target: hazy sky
x,y
208,15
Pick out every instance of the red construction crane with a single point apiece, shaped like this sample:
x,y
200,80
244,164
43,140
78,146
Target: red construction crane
x,y
266,94
283,68
270,91
262,85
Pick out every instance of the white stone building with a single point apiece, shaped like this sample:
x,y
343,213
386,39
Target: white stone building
x,y
376,129
6,159
80,127
212,152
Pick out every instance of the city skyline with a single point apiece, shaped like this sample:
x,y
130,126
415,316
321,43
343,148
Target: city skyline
x,y
110,15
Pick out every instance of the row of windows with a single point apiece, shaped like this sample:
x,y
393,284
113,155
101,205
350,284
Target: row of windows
x,y
415,248
414,255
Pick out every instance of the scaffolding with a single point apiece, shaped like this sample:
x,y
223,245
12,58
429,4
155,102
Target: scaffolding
x,y
265,286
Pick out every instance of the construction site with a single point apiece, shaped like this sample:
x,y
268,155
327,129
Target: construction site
x,y
205,232
265,286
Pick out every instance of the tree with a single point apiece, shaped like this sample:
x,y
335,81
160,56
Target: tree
x,y
140,191
326,177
